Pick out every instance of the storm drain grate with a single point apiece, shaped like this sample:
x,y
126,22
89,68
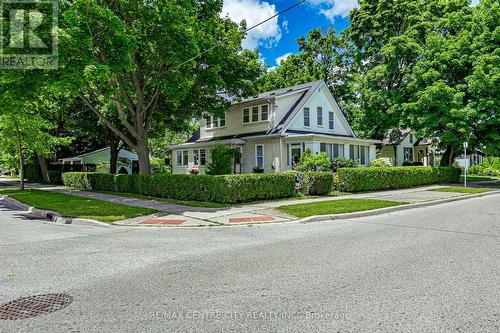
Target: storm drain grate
x,y
33,306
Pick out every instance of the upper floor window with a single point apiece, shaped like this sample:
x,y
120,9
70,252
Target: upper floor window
x,y
320,116
411,138
331,120
264,112
255,114
213,122
307,118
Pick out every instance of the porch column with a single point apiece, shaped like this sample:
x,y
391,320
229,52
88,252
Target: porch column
x,y
372,154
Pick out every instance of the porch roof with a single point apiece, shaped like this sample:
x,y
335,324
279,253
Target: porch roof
x,y
346,138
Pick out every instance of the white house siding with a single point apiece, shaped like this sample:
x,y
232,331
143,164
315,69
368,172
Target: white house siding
x,y
283,104
323,99
234,123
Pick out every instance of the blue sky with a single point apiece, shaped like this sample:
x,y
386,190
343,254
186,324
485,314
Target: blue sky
x,y
277,38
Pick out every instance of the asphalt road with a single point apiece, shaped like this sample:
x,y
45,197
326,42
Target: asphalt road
x,y
433,269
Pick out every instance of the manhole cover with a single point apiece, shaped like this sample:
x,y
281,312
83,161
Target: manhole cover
x,y
33,306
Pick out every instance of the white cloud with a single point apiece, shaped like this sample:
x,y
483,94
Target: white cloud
x,y
334,8
283,57
474,3
253,12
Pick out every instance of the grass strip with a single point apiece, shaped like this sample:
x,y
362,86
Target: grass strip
x,y
76,207
336,207
467,190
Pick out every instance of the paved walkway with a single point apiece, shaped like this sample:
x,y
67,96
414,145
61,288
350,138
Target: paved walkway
x,y
170,214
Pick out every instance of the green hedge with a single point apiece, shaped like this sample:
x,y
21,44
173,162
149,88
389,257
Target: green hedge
x,y
53,177
316,183
223,189
376,179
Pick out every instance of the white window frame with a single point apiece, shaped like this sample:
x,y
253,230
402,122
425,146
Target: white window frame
x,y
257,156
319,116
179,154
214,122
331,120
308,117
243,116
197,153
250,110
203,161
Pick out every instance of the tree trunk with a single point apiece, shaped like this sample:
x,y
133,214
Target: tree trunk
x,y
448,156
44,166
21,157
143,155
114,149
113,158
451,158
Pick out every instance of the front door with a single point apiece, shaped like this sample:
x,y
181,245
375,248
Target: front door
x,y
295,154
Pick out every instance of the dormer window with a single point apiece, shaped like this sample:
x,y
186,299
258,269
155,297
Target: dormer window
x,y
211,122
256,114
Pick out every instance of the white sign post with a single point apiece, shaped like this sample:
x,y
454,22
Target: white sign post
x,y
466,144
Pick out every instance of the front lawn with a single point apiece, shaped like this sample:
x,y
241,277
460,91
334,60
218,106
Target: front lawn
x,y
73,206
336,207
474,178
468,190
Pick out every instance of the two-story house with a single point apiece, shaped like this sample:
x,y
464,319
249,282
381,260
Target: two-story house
x,y
274,129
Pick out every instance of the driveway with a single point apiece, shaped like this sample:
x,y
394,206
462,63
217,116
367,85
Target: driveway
x,y
434,269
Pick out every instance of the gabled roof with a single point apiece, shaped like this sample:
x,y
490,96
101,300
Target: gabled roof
x,y
280,92
395,136
306,90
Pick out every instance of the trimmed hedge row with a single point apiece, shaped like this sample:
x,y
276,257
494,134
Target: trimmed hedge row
x,y
316,183
376,179
222,189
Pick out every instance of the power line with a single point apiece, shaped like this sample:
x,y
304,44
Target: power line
x,y
245,31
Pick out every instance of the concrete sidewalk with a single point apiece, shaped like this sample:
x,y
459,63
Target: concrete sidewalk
x,y
175,215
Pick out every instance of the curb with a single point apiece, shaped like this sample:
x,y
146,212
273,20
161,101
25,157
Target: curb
x,y
50,215
322,218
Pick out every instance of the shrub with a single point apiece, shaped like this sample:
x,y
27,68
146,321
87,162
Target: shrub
x,y
417,163
379,163
53,177
342,162
314,162
407,163
492,162
490,172
375,179
258,170
316,183
475,169
125,183
222,160
193,171
89,181
33,173
223,189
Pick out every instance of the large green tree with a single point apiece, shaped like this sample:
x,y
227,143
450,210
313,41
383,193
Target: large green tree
x,y
159,63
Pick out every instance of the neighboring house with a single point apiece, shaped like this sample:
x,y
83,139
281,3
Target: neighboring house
x,y
475,158
401,145
98,160
274,129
